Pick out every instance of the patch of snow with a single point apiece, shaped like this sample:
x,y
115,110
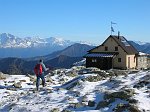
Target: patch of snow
x,y
55,94
143,54
141,43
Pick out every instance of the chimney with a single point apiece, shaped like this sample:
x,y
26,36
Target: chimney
x,y
118,34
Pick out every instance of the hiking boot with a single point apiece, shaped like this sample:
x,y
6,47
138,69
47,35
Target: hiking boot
x,y
37,89
44,85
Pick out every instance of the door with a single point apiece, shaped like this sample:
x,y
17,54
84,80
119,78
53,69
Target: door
x,y
106,64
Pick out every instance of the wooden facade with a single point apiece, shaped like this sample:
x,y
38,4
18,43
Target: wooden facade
x,y
101,62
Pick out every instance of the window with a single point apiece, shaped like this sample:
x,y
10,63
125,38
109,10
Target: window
x,y
106,48
94,60
116,48
119,59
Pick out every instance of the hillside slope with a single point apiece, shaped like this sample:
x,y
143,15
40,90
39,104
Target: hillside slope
x,y
66,91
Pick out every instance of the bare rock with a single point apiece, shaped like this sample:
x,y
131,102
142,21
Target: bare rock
x,y
104,103
126,107
55,110
93,78
3,76
17,85
91,103
124,95
12,89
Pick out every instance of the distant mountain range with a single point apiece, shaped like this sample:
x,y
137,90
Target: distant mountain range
x,y
61,59
23,53
141,46
75,50
12,46
10,41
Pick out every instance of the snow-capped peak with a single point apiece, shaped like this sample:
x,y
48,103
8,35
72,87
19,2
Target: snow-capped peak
x,y
7,35
10,41
87,43
140,43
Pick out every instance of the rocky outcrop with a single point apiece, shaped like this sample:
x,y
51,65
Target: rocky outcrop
x,y
17,85
3,76
55,110
145,81
124,95
126,107
93,78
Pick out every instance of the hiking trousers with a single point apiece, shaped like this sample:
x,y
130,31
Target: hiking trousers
x,y
40,76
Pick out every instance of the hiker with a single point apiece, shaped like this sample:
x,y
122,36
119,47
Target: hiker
x,y
38,69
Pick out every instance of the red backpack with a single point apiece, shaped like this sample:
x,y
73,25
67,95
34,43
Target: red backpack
x,y
38,69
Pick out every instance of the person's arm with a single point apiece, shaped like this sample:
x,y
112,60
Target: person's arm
x,y
45,69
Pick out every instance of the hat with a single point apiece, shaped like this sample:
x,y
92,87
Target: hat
x,y
40,60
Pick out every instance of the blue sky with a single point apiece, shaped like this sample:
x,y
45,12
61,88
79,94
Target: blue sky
x,y
85,20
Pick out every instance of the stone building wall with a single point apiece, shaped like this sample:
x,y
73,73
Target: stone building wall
x,y
148,62
142,62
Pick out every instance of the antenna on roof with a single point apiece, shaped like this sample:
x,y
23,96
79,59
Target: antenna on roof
x,y
112,29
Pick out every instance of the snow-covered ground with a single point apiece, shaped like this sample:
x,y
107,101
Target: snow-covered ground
x,y
68,91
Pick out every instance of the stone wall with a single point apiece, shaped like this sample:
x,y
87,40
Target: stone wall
x,y
148,61
142,62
